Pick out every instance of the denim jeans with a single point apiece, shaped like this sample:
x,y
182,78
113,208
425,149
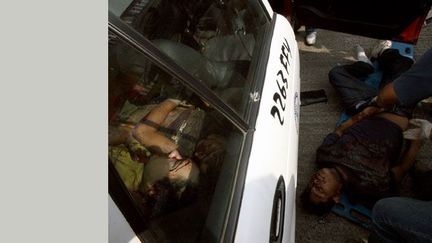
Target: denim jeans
x,y
399,219
348,80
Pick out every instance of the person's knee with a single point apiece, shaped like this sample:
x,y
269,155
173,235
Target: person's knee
x,y
379,211
386,210
335,74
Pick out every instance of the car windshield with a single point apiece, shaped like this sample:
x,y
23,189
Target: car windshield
x,y
215,41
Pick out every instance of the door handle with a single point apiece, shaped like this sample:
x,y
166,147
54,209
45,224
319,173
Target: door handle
x,y
278,212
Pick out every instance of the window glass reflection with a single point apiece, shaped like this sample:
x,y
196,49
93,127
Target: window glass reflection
x,y
170,149
213,40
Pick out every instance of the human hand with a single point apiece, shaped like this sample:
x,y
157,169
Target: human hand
x,y
368,111
139,155
422,130
137,152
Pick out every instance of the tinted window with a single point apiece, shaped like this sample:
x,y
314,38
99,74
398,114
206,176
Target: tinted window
x,y
215,41
175,155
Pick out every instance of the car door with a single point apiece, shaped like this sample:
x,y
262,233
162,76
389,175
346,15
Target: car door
x,y
233,68
380,19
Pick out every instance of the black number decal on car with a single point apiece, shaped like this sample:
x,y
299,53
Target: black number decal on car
x,y
274,111
284,56
276,97
284,80
282,90
280,96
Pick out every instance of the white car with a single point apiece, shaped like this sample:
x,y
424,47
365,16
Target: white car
x,y
232,70
240,62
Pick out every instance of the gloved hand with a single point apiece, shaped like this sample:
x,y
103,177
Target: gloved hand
x,y
422,130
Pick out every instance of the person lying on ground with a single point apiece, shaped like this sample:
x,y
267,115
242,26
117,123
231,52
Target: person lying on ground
x,y
362,156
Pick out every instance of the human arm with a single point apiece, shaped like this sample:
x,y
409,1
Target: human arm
x,y
146,132
118,134
387,96
407,161
368,111
153,140
342,127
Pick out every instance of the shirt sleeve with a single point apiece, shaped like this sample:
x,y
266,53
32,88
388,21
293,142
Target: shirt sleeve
x,y
416,83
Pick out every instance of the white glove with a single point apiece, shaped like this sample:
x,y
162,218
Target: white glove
x,y
422,130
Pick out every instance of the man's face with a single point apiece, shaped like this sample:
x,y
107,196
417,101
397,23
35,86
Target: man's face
x,y
177,171
325,186
183,170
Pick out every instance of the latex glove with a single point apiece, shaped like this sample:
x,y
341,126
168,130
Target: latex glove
x,y
422,130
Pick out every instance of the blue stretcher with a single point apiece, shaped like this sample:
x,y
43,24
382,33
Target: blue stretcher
x,y
358,213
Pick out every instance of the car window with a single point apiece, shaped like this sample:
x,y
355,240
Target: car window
x,y
215,41
175,155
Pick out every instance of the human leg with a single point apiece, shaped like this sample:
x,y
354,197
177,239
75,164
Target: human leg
x,y
400,219
393,64
360,55
415,84
311,34
347,80
379,48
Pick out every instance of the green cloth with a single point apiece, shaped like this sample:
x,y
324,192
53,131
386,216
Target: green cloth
x,y
129,170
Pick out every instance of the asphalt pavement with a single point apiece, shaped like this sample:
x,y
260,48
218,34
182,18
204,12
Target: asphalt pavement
x,y
317,120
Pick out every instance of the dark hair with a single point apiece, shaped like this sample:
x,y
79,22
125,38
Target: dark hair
x,y
165,198
319,208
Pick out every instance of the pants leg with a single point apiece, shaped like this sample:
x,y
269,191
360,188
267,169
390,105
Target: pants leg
x,y
399,219
393,65
348,82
